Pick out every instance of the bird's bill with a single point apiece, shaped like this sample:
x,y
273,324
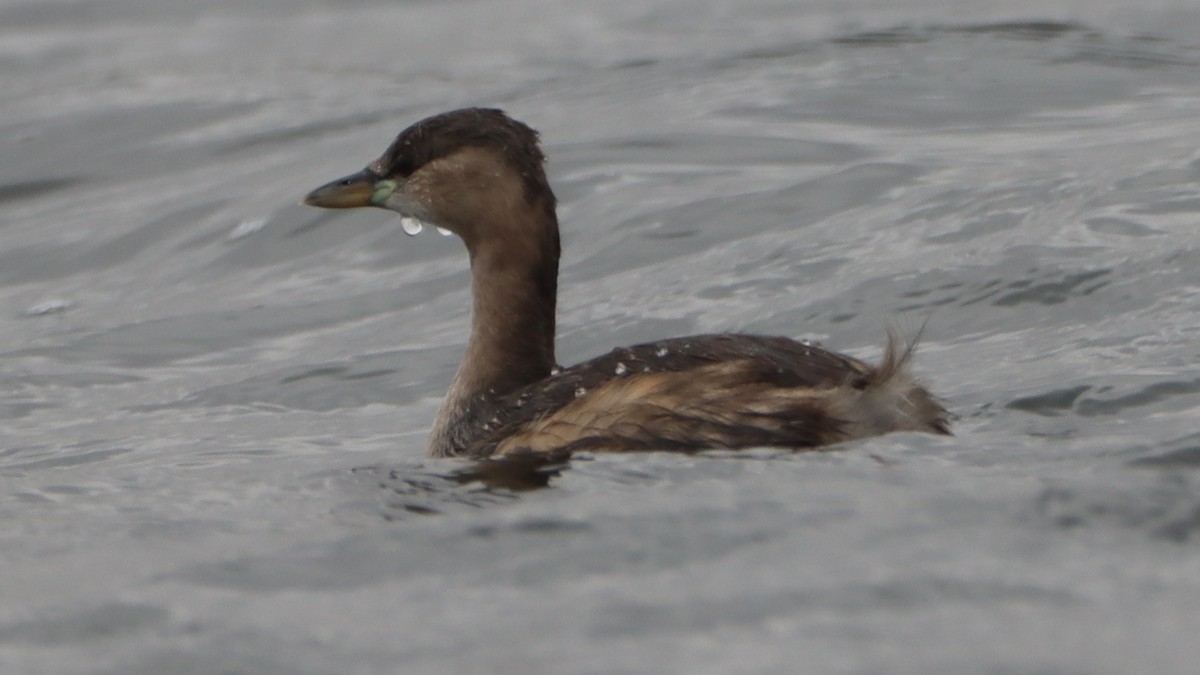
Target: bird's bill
x,y
345,193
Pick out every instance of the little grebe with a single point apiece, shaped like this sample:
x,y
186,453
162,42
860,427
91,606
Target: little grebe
x,y
479,174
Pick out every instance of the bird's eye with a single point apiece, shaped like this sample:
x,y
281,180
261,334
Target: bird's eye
x,y
345,181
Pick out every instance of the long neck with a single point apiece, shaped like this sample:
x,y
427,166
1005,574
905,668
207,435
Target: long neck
x,y
514,283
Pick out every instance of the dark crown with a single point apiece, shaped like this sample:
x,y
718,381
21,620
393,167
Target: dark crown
x,y
445,134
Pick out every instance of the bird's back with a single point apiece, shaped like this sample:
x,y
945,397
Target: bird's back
x,y
705,392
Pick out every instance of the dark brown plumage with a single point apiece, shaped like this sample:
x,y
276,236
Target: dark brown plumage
x,y
442,135
480,174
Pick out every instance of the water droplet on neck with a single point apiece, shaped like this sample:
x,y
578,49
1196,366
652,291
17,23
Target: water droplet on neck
x,y
444,232
412,226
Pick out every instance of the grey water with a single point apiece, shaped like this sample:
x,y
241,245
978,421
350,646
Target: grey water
x,y
214,401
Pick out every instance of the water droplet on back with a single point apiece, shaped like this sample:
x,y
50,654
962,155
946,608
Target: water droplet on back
x,y
444,232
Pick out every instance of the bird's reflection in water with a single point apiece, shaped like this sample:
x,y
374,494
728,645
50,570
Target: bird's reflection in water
x,y
476,484
517,472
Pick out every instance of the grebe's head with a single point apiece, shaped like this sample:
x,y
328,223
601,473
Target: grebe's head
x,y
461,170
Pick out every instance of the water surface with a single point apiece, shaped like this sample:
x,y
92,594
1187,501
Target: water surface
x,y
214,401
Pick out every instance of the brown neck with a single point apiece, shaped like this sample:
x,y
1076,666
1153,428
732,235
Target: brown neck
x,y
514,282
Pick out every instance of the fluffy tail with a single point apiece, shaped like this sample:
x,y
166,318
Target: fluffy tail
x,y
890,398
